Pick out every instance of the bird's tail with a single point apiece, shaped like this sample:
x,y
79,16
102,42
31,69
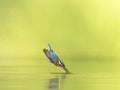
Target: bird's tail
x,y
49,47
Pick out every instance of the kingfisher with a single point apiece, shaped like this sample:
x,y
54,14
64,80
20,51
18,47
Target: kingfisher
x,y
54,58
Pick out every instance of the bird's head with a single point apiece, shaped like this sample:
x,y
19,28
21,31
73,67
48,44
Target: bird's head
x,y
60,64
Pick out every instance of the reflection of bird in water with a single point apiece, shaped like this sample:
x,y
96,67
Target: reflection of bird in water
x,y
53,57
56,83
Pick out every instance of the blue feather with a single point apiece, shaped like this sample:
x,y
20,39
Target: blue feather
x,y
49,46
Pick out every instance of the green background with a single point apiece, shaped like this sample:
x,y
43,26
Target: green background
x,y
84,33
88,28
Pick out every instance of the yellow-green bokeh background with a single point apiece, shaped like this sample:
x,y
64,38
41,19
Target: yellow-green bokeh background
x,y
86,28
75,28
84,33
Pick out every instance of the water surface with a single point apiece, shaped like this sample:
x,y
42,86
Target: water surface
x,y
86,75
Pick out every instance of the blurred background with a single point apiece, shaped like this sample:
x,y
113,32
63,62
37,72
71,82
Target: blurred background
x,y
75,29
84,33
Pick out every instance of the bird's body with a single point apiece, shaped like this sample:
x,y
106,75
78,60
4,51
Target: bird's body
x,y
53,57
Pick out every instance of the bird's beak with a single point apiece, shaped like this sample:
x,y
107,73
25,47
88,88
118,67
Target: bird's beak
x,y
66,70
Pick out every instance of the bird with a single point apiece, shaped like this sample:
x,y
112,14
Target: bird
x,y
54,58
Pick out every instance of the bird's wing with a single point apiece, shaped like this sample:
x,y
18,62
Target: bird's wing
x,y
53,57
47,54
